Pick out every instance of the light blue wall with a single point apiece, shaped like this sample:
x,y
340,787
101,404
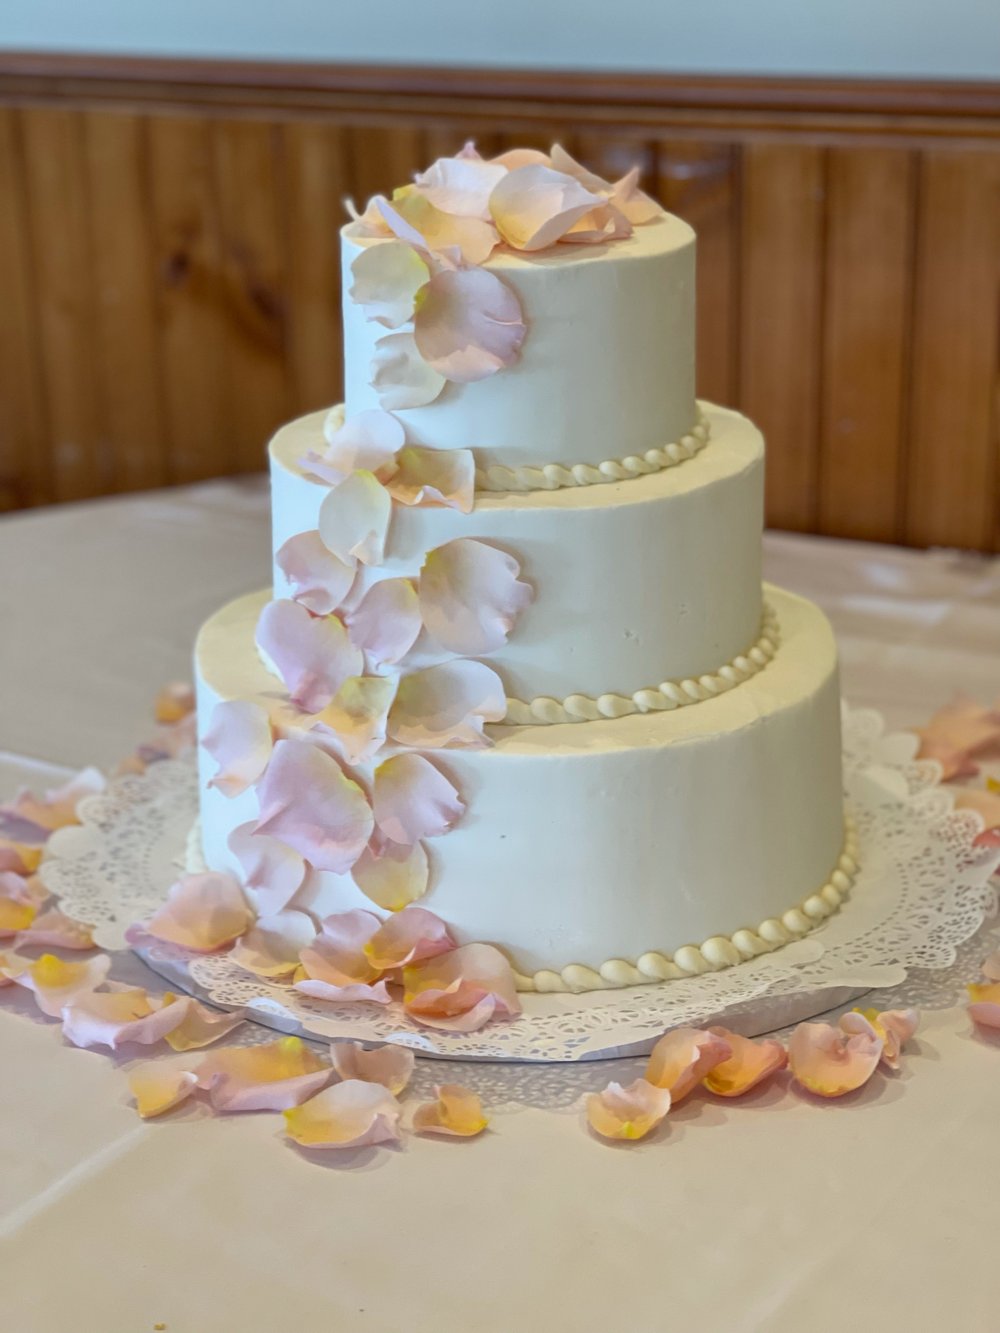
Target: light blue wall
x,y
937,38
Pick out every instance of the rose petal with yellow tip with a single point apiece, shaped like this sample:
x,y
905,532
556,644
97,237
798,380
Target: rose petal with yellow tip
x,y
457,1112
119,1017
958,734
893,1027
203,912
271,1077
352,1114
174,702
56,983
57,808
829,1062
157,1089
17,909
20,858
55,930
200,1025
410,936
393,876
338,954
392,1066
749,1064
627,1113
984,1006
683,1057
271,947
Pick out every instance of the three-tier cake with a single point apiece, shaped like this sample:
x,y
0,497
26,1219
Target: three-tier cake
x,y
632,746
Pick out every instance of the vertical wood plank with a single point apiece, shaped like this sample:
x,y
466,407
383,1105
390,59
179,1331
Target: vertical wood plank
x,y
953,475
56,186
380,157
699,181
24,470
192,324
125,326
254,265
866,337
782,235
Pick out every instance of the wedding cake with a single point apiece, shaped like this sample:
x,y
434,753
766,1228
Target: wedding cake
x,y
517,664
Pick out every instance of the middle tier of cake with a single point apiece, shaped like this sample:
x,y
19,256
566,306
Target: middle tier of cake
x,y
638,582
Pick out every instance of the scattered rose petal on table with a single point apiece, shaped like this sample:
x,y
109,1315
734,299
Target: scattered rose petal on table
x,y
627,1113
957,734
11,967
356,716
17,907
308,802
456,1112
174,702
55,809
319,580
748,1065
471,596
55,930
200,1026
683,1057
19,858
240,740
56,983
984,1004
158,1089
892,1027
830,1062
392,1066
271,1077
351,1114
203,912
116,1018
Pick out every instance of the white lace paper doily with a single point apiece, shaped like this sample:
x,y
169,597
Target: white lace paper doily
x,y
922,890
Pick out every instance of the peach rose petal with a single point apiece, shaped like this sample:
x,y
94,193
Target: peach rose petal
x,y
272,945
534,206
203,912
338,954
471,596
272,870
468,325
12,966
627,1113
274,1076
957,734
412,799
157,1090
18,858
309,803
119,1018
368,223
354,520
400,375
569,166
17,911
447,705
200,1026
352,1114
354,993
55,809
984,1004
434,477
410,936
829,1062
749,1064
893,1027
240,740
462,990
991,966
632,202
386,622
174,702
522,157
599,225
318,579
683,1057
467,240
461,185
457,1112
356,716
56,983
369,440
394,876
312,654
391,1066
387,277
55,930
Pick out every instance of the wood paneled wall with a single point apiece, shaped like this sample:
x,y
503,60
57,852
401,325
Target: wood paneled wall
x,y
169,281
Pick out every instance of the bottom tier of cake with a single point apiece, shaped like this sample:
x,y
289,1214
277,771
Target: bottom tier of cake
x,y
611,852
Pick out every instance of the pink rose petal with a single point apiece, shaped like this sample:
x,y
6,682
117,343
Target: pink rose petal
x,y
272,1077
434,477
157,1089
338,955
118,1018
400,375
203,912
470,596
57,808
411,936
272,870
991,966
239,738
469,324
352,1114
414,219
683,1057
200,1026
356,716
17,909
312,654
828,1062
984,1006
386,622
55,930
461,185
392,876
627,1113
457,1112
352,993
309,803
447,705
271,947
534,206
391,1066
368,223
56,983
319,580
461,990
18,858
354,520
893,1027
959,733
749,1064
387,276
412,799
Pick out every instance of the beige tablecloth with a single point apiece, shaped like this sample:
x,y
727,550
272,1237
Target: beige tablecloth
x,y
776,1213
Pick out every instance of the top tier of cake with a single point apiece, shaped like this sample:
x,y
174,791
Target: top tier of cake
x,y
607,369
